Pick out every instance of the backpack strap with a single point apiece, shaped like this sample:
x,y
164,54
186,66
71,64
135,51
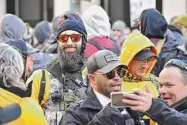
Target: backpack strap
x,y
95,43
42,87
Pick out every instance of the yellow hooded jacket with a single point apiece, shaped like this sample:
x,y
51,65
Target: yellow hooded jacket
x,y
133,44
31,112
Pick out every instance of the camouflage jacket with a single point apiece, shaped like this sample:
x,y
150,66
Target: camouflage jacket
x,y
65,88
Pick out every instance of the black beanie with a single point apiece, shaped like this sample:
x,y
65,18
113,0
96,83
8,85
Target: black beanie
x,y
73,22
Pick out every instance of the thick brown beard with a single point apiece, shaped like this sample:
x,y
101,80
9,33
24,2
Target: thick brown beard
x,y
70,61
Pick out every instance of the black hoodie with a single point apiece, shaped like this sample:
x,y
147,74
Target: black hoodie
x,y
153,24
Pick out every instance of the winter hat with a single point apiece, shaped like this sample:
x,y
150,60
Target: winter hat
x,y
73,22
119,25
42,31
56,23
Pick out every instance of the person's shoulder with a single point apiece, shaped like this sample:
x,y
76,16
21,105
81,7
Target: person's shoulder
x,y
39,71
75,107
53,66
150,75
53,62
37,74
154,79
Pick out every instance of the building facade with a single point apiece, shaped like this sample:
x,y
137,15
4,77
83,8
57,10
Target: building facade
x,y
33,11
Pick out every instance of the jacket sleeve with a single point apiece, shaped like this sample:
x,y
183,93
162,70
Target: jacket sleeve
x,y
164,115
72,116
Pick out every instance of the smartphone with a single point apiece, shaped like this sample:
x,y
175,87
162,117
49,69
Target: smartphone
x,y
116,99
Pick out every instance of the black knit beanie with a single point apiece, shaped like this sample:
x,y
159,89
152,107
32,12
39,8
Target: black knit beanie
x,y
73,22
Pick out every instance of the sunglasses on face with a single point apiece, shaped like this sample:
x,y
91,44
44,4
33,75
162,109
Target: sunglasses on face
x,y
74,37
182,64
120,71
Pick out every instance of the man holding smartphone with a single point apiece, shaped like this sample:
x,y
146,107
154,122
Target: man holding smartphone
x,y
105,76
173,90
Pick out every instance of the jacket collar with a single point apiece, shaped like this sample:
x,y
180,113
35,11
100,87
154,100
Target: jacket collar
x,y
91,101
55,69
180,105
131,78
17,91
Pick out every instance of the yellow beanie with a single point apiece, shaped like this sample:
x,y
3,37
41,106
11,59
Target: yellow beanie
x,y
182,19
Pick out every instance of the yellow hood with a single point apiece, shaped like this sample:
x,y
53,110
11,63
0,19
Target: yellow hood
x,y
134,43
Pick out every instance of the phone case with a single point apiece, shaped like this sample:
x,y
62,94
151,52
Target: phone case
x,y
116,99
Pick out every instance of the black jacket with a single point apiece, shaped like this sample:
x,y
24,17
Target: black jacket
x,y
90,112
181,106
155,27
164,115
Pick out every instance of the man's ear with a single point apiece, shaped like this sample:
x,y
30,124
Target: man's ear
x,y
91,78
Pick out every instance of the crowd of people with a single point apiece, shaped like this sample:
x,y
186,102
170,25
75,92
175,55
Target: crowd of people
x,y
63,73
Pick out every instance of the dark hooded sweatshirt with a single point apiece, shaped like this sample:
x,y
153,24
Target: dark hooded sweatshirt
x,y
155,27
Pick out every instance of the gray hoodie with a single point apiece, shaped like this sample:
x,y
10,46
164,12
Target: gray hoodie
x,y
96,22
12,28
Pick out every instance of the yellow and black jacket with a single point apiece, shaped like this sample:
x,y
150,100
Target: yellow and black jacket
x,y
133,44
39,83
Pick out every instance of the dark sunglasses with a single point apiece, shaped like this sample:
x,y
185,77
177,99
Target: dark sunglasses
x,y
120,71
74,37
182,64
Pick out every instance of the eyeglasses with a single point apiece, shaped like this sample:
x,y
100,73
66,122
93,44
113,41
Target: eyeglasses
x,y
120,71
74,37
147,61
182,64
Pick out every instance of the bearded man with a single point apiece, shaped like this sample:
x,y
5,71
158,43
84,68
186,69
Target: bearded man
x,y
67,72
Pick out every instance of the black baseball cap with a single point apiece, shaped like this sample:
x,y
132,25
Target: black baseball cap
x,y
144,54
